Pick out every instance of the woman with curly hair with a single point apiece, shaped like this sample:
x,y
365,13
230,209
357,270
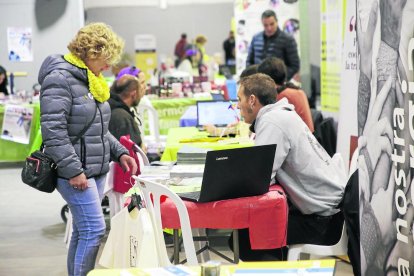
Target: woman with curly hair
x,y
74,121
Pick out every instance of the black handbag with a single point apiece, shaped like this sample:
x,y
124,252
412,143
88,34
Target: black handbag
x,y
40,171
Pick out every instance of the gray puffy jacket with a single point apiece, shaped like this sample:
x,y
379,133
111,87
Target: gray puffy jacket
x,y
66,107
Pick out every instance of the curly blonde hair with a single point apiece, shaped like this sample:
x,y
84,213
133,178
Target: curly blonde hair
x,y
97,40
201,39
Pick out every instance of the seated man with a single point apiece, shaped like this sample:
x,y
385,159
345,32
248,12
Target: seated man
x,y
126,92
313,182
276,69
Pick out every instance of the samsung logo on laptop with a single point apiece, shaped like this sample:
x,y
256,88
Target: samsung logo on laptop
x,y
222,158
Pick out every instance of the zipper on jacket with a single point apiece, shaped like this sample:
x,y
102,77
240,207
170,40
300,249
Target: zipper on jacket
x,y
83,152
102,139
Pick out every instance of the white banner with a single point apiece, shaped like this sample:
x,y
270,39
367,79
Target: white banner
x,y
347,121
248,23
17,123
386,135
19,42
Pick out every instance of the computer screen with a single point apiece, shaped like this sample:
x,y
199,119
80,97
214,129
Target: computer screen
x,y
232,89
218,113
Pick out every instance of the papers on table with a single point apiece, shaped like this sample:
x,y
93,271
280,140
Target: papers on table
x,y
195,170
191,155
179,184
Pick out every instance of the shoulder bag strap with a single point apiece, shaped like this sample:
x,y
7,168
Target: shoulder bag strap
x,y
80,133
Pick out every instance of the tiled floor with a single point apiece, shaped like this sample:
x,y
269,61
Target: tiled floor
x,y
31,230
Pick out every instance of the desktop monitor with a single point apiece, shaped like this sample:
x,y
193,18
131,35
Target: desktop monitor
x,y
218,113
231,89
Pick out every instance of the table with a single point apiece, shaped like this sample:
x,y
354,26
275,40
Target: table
x,y
176,136
324,267
14,152
189,118
264,215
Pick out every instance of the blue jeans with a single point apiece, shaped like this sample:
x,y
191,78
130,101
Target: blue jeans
x,y
88,223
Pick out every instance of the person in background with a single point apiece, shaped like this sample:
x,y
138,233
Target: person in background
x,y
229,46
179,50
313,181
230,129
136,72
276,69
126,92
186,65
125,60
201,57
273,42
74,93
3,81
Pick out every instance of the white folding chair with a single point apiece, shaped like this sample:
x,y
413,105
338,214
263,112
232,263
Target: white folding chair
x,y
153,121
338,249
142,157
149,188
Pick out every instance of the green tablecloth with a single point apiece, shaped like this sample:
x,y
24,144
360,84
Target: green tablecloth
x,y
175,135
13,152
171,110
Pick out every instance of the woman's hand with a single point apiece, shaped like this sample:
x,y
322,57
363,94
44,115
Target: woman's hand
x,y
79,182
128,164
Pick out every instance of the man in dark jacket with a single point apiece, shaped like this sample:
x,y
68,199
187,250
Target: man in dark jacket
x,y
126,92
273,42
229,46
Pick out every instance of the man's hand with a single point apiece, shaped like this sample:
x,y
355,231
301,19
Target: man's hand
x,y
79,182
128,164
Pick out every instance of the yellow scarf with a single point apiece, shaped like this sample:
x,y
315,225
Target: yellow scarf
x,y
97,85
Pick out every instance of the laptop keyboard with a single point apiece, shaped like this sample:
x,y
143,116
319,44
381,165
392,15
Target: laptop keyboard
x,y
192,196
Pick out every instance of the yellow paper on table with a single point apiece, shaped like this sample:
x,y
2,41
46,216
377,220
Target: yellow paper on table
x,y
202,140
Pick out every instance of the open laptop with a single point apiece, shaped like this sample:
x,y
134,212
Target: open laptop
x,y
235,173
218,113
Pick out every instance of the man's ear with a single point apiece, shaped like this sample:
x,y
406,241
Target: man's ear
x,y
252,99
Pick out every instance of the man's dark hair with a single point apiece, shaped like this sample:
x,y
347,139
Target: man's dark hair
x,y
275,68
124,85
260,85
248,71
184,35
269,13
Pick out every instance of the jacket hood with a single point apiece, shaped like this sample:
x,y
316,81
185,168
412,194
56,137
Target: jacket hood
x,y
281,104
57,62
116,102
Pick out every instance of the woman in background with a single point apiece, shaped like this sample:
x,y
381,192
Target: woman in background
x,y
3,81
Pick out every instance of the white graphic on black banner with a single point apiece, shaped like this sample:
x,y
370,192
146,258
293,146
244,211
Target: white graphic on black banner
x,y
386,135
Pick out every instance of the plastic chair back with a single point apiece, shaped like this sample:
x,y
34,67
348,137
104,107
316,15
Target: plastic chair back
x,y
153,205
153,120
338,249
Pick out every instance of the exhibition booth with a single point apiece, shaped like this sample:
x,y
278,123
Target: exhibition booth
x,y
363,86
